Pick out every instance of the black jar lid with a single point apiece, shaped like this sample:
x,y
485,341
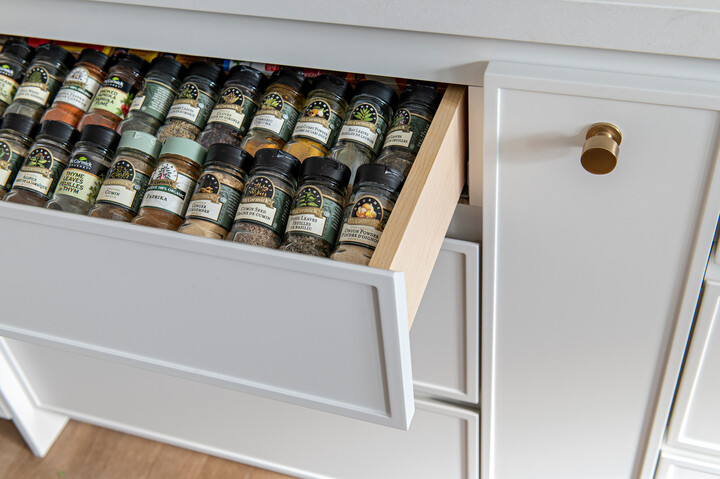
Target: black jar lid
x,y
168,65
22,124
248,76
378,89
325,167
94,57
102,136
293,78
422,93
378,173
333,84
277,160
18,48
59,131
51,52
229,154
132,62
208,70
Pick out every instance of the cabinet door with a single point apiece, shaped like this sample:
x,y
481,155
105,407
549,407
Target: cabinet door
x,y
590,281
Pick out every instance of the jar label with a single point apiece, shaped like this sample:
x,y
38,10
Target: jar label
x,y
192,105
8,82
315,215
78,89
407,130
234,109
168,190
10,162
115,96
265,204
364,222
124,186
155,100
82,178
214,201
365,125
38,86
39,172
318,122
276,116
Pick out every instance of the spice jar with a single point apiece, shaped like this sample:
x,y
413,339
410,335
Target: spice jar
x,y
14,61
79,88
324,111
129,174
171,184
363,131
317,208
267,197
190,111
112,102
16,136
42,81
410,124
150,107
280,107
230,119
48,156
217,194
375,192
80,183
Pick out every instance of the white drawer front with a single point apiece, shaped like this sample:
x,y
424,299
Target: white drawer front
x,y
682,468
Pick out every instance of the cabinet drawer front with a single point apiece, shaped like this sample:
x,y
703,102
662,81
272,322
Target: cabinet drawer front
x,y
670,467
586,277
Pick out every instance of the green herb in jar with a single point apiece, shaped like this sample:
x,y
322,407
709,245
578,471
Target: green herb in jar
x,y
16,136
14,61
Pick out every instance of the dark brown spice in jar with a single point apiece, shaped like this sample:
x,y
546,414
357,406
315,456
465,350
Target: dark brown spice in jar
x,y
267,198
16,136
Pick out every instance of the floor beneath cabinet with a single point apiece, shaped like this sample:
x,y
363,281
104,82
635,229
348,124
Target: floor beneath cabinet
x,y
84,451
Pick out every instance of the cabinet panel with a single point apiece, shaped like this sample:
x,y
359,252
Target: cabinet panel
x,y
587,277
675,468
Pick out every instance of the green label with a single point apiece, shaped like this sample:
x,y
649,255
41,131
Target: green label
x,y
39,173
82,178
319,122
364,222
315,215
265,204
168,190
155,99
276,116
192,105
407,130
10,163
124,186
233,109
213,201
365,125
38,87
115,96
9,82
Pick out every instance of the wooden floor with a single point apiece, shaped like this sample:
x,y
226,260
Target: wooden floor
x,y
88,452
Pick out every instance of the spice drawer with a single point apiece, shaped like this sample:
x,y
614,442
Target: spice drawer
x,y
307,330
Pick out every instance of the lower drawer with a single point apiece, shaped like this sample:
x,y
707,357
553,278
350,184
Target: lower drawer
x,y
442,442
670,467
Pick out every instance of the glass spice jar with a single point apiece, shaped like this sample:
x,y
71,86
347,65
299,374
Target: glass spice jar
x,y
48,156
168,194
240,96
160,88
14,61
129,174
410,124
16,136
317,208
80,183
375,192
42,81
79,88
217,194
273,123
190,111
324,111
267,197
112,102
363,131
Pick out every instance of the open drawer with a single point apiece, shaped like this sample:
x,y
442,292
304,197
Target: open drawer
x,y
309,331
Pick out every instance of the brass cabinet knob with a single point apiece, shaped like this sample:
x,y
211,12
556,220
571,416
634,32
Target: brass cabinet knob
x,y
602,145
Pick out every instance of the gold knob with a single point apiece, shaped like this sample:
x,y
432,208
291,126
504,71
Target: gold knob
x,y
602,145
